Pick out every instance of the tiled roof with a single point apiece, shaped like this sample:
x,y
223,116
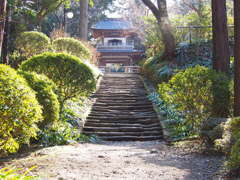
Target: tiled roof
x,y
113,24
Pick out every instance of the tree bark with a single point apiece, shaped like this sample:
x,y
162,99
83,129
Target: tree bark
x,y
221,58
84,19
5,58
237,58
161,14
3,4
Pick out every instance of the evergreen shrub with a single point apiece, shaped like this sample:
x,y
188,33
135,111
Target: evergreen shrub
x,y
46,96
19,111
72,77
71,46
31,43
234,159
198,93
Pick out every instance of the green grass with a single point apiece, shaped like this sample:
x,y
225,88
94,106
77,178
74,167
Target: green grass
x,y
15,174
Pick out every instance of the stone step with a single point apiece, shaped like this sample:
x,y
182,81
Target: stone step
x,y
132,138
121,85
124,103
102,116
143,121
120,129
112,100
120,125
118,95
121,92
136,134
122,108
140,98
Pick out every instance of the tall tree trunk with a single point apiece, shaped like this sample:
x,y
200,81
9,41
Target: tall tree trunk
x,y
161,14
5,58
166,31
221,58
84,19
237,58
3,4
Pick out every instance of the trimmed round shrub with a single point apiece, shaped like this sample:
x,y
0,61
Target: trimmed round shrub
x,y
71,46
31,43
46,96
198,93
19,111
72,77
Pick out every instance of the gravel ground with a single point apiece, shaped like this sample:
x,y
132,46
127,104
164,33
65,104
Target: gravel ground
x,y
120,160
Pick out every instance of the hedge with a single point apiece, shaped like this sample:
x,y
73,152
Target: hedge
x,y
72,77
46,96
71,46
19,111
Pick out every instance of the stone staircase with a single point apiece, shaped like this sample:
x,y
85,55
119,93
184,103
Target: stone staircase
x,y
122,111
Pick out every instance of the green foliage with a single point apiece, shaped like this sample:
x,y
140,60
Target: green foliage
x,y
63,133
68,130
13,174
198,53
157,71
45,93
188,55
234,159
198,93
19,111
32,43
153,38
225,141
172,119
71,46
72,77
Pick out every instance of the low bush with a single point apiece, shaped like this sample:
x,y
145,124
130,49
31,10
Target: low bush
x,y
187,55
234,159
32,43
198,93
19,111
172,119
72,77
45,93
63,133
71,46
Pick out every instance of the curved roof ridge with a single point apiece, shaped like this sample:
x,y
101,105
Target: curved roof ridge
x,y
113,24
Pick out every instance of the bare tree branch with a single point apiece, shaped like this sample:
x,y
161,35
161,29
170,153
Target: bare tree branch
x,y
152,7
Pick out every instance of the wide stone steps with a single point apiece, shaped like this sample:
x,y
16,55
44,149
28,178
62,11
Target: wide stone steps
x,y
124,115
144,133
121,129
122,111
121,125
143,122
122,108
132,138
126,103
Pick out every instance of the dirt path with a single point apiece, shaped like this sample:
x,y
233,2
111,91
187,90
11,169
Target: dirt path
x,y
120,160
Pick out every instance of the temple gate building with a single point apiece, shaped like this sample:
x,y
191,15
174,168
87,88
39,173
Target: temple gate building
x,y
118,44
